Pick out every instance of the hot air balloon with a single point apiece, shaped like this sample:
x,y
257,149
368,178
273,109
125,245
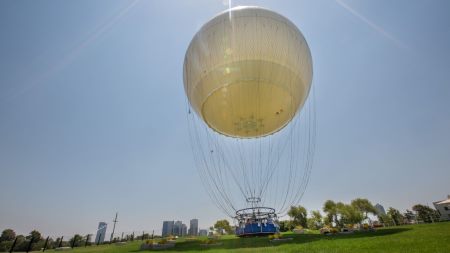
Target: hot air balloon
x,y
247,76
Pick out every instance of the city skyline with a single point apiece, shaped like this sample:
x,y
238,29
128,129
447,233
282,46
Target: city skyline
x,y
178,228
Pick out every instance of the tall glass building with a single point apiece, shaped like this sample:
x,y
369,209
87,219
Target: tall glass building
x,y
101,232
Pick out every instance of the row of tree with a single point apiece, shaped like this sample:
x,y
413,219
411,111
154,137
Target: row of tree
x,y
34,241
357,211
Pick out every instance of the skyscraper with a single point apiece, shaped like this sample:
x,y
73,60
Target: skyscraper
x,y
193,228
177,228
101,232
167,228
183,229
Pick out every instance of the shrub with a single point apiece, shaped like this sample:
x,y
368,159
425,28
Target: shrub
x,y
275,236
5,246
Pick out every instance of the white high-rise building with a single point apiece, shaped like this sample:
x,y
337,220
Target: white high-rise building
x,y
193,227
101,232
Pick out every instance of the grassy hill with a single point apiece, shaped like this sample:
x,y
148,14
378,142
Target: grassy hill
x,y
414,238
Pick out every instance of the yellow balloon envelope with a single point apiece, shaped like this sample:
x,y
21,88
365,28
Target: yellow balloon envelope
x,y
247,72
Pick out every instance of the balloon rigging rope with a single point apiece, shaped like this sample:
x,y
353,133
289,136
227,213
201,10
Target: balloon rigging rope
x,y
215,167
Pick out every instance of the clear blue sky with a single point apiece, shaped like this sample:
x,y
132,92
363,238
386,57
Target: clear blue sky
x,y
92,108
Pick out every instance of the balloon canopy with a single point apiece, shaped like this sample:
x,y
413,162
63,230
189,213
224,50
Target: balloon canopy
x,y
247,72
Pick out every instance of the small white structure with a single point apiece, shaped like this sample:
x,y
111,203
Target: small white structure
x,y
443,207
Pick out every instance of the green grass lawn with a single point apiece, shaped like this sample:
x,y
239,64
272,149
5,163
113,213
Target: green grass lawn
x,y
413,238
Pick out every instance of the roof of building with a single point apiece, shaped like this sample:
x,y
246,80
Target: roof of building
x,y
446,201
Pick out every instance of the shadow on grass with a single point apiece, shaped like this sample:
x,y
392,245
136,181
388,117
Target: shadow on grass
x,y
239,243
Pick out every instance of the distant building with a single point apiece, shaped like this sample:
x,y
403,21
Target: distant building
x,y
101,232
380,209
183,229
167,228
443,207
193,227
177,228
203,232
409,217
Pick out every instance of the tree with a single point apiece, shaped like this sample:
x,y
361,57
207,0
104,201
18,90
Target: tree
x,y
36,235
7,235
225,225
395,215
315,222
75,240
349,214
364,206
285,225
330,208
384,219
21,244
425,213
298,215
